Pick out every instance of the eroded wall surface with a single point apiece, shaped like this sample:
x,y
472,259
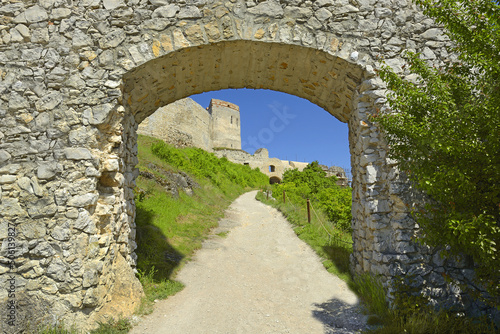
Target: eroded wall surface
x,y
183,123
78,76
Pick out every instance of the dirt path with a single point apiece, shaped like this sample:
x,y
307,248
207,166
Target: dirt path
x,y
260,278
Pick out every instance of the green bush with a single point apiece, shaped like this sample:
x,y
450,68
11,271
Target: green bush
x,y
201,164
410,311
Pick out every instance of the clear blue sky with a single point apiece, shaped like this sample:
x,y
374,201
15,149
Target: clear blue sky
x,y
291,128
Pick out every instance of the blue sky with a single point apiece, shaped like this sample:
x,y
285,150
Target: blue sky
x,y
291,128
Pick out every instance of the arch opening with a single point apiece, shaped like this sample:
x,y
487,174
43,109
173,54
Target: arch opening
x,y
274,179
325,80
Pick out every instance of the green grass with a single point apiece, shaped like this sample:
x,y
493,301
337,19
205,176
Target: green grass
x,y
156,289
333,245
223,234
112,326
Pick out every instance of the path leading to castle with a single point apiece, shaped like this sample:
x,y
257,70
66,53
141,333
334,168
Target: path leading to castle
x,y
260,278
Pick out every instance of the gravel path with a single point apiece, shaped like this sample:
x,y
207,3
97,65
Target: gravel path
x,y
260,278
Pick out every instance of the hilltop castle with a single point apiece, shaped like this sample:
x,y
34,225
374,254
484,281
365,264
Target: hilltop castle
x,y
217,129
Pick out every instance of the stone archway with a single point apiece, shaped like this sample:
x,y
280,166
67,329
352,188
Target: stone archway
x,y
77,78
274,179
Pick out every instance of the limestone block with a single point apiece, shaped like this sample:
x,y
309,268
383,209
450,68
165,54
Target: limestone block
x,y
167,11
60,13
62,232
195,34
36,14
189,12
371,174
17,102
47,170
298,13
44,207
81,201
112,164
32,230
77,153
85,222
9,207
19,251
404,247
99,114
43,249
160,2
90,277
4,156
91,298
270,8
57,269
323,14
49,101
434,34
112,39
15,35
112,4
7,179
80,39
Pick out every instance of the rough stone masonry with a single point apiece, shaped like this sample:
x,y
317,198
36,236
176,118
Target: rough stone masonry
x,y
78,76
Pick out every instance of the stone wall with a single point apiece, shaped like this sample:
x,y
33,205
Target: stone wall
x,y
226,127
78,76
183,123
272,167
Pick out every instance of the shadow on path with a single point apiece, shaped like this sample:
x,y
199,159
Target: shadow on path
x,y
340,317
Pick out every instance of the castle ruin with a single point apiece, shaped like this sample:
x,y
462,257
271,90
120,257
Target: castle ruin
x,y
185,123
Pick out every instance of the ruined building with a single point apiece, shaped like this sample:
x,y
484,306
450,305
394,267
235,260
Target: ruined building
x,y
185,123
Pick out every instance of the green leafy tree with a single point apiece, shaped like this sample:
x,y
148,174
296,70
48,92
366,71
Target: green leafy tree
x,y
312,175
445,134
313,183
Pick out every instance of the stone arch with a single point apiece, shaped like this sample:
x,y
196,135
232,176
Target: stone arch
x,y
78,76
325,80
347,90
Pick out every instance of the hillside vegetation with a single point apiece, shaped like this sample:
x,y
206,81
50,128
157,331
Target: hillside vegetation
x,y
180,196
329,232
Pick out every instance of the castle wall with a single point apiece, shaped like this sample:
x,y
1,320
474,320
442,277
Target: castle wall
x,y
226,128
183,123
272,167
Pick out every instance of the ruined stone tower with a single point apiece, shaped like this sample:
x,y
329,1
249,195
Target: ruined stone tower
x,y
226,130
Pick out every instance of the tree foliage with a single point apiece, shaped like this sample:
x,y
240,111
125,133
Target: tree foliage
x,y
445,134
323,191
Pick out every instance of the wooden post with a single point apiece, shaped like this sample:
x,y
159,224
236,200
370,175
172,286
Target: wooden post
x,y
284,198
308,211
267,194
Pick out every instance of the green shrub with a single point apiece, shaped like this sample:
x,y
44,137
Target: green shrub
x,y
411,312
221,172
323,192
